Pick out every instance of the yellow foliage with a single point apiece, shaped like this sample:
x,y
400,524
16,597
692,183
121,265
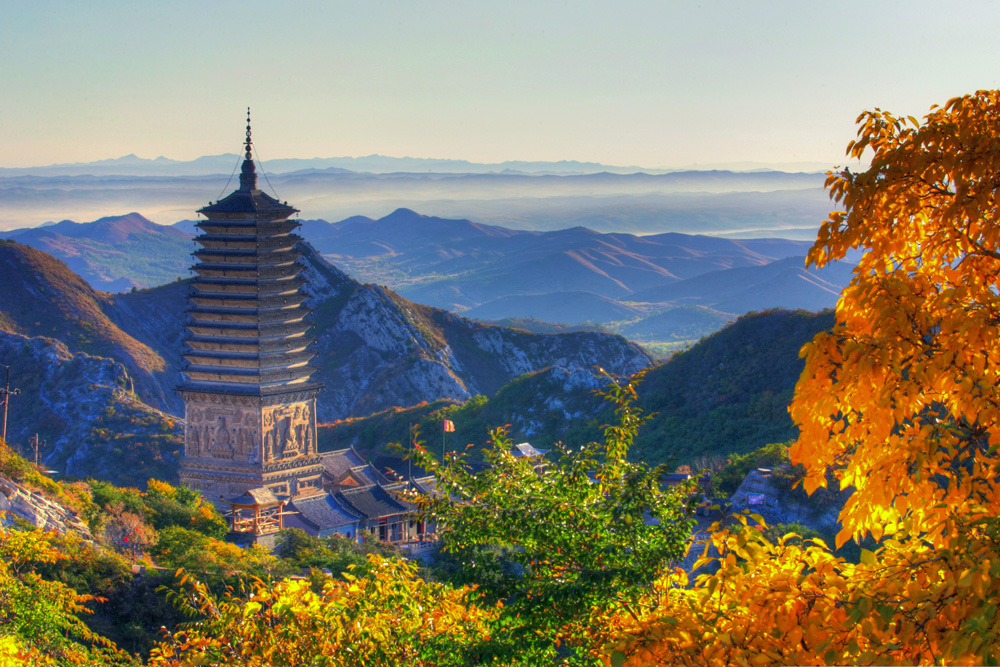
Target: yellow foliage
x,y
389,617
901,401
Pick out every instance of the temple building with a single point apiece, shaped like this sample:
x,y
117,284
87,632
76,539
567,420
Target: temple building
x,y
249,404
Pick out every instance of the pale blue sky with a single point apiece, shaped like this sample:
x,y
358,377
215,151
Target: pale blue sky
x,y
656,84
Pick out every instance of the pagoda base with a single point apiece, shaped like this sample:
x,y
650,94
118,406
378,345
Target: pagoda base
x,y
237,442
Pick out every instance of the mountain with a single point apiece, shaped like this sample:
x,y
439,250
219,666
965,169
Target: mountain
x,y
568,276
115,253
375,348
85,414
41,297
460,264
785,283
133,165
680,323
728,393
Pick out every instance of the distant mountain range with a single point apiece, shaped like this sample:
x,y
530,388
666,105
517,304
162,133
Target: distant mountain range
x,y
114,254
662,288
132,165
717,202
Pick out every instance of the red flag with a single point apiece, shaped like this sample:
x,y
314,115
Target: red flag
x,y
449,426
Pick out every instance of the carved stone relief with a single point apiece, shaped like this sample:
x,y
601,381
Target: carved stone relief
x,y
288,432
222,432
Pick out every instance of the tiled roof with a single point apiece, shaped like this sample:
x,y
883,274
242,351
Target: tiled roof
x,y
258,496
364,475
397,467
323,511
375,501
338,463
250,201
426,485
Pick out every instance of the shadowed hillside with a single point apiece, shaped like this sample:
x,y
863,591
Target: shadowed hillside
x,y
40,296
728,393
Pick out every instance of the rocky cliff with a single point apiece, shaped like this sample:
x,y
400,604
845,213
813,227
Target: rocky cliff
x,y
86,414
21,502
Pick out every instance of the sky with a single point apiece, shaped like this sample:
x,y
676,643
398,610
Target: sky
x,y
656,84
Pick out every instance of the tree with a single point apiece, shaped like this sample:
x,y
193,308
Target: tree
x,y
40,618
388,616
564,545
900,400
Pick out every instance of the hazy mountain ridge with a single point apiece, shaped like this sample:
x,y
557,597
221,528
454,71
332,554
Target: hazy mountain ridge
x,y
114,253
635,284
221,164
571,276
728,393
692,202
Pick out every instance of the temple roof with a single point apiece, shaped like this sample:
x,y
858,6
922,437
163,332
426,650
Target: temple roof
x,y
323,511
374,502
250,201
261,496
527,450
339,462
397,467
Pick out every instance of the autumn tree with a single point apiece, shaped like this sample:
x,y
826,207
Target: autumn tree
x,y
900,400
40,619
386,616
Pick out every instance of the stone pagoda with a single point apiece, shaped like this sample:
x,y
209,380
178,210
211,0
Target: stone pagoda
x,y
248,400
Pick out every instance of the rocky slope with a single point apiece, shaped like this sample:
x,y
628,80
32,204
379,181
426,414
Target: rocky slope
x,y
17,500
87,417
377,350
41,296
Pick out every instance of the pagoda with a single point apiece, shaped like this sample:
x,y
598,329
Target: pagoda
x,y
249,404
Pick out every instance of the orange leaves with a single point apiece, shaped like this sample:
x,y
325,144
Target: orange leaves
x,y
902,401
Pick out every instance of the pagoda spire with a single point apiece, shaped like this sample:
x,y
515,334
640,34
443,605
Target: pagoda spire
x,y
248,176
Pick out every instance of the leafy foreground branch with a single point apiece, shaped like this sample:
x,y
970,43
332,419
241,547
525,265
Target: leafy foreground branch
x,y
389,617
901,400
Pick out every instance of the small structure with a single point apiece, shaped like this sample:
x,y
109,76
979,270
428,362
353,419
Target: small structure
x,y
322,515
386,517
525,450
255,517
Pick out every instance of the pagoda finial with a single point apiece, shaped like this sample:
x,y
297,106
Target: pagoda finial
x,y
248,175
249,143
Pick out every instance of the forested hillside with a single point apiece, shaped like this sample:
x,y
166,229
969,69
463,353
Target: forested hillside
x,y
728,394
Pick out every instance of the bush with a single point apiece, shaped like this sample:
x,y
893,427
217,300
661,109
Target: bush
x,y
727,480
